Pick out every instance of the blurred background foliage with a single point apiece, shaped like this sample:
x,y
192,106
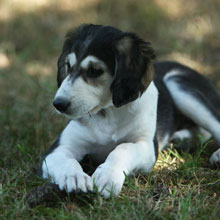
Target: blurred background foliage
x,y
31,38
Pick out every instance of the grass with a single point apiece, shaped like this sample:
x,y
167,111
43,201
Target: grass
x,y
181,186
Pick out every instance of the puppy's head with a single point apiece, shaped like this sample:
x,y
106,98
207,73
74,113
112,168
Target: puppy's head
x,y
101,66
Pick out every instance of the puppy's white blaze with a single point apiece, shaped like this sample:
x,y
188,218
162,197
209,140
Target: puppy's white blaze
x,y
72,59
64,89
84,91
95,97
91,59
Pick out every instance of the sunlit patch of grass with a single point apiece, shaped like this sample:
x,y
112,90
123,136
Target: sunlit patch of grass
x,y
169,159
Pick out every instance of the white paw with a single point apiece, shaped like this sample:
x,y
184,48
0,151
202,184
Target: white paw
x,y
109,181
68,176
75,181
215,158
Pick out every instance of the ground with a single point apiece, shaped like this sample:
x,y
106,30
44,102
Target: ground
x,y
181,186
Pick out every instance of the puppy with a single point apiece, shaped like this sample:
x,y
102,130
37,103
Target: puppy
x,y
120,112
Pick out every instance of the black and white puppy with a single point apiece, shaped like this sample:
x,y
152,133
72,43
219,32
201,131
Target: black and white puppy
x,y
120,111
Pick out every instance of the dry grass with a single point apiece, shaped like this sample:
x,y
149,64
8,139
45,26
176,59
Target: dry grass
x,y
32,32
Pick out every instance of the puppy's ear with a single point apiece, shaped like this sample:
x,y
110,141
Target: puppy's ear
x,y
61,73
133,69
67,48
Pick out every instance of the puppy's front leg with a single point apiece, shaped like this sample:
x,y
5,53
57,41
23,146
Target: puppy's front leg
x,y
127,158
63,169
61,161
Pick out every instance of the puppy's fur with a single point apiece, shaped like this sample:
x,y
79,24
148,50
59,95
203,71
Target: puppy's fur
x,y
118,112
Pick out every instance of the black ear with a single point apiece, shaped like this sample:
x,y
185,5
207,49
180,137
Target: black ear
x,y
61,73
133,69
68,46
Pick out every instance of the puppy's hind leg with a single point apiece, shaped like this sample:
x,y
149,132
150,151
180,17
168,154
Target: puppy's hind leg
x,y
204,134
196,102
183,139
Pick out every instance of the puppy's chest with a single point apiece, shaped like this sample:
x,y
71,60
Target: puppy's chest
x,y
109,132
106,136
116,128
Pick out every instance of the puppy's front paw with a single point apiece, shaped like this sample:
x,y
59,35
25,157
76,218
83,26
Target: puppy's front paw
x,y
75,181
68,176
215,158
109,181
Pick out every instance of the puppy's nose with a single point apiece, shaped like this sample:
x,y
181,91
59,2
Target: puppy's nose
x,y
61,104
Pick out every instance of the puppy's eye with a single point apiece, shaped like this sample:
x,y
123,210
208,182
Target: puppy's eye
x,y
94,72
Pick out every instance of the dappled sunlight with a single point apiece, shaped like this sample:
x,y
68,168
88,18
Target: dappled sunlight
x,y
37,68
176,8
4,61
198,28
188,60
193,25
169,159
9,8
72,5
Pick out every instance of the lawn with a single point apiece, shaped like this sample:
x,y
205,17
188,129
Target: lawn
x,y
181,186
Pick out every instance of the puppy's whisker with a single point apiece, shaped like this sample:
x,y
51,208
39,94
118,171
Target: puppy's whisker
x,y
89,114
50,112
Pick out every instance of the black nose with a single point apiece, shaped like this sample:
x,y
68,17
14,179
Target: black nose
x,y
61,104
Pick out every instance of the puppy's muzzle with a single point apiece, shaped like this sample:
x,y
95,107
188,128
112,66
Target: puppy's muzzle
x,y
61,104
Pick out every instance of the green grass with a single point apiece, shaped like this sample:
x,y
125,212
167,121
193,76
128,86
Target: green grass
x,y
181,186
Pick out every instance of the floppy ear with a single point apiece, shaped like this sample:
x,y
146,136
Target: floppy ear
x,y
61,73
133,69
68,46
